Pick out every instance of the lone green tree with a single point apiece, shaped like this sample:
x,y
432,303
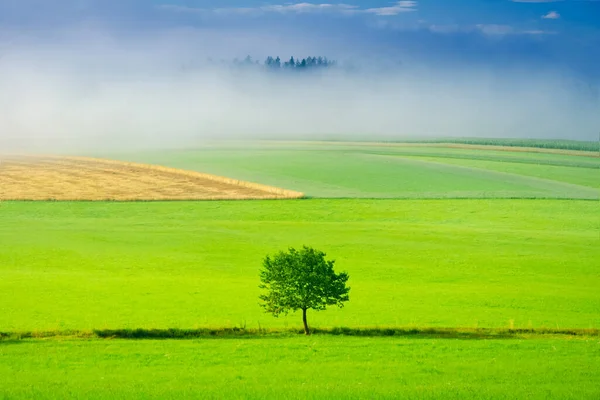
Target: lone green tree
x,y
301,280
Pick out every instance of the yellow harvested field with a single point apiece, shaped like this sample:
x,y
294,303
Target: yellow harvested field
x,y
83,178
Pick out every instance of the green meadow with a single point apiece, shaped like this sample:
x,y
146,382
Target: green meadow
x,y
431,238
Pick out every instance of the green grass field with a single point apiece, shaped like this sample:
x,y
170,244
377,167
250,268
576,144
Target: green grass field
x,y
432,238
316,367
187,264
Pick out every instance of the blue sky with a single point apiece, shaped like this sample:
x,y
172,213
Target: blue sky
x,y
523,15
562,34
548,15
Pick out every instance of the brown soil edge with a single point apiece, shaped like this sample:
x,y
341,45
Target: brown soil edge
x,y
516,149
281,193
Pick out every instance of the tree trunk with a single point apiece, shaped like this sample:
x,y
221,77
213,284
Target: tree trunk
x,y
306,331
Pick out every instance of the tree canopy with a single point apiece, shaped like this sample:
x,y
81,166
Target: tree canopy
x,y
301,280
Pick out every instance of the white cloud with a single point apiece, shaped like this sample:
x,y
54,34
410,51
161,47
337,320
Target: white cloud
x,y
538,32
180,9
502,30
551,15
239,11
451,28
486,29
308,7
491,30
399,7
495,29
300,8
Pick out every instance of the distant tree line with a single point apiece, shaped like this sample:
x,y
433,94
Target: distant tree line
x,y
293,63
558,144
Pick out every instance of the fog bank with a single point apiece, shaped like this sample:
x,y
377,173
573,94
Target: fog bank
x,y
97,92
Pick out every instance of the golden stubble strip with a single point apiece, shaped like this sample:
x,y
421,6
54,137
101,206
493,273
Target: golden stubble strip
x,y
85,178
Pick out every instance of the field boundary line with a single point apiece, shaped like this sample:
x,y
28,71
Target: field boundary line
x,y
516,149
234,332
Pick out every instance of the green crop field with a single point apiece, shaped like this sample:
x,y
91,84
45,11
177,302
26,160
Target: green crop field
x,y
431,238
379,171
